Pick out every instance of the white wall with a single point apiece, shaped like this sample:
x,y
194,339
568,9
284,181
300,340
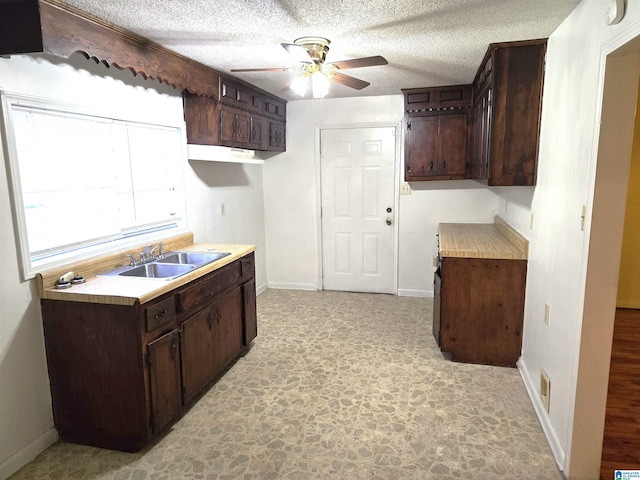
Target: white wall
x,y
239,188
26,424
574,349
292,198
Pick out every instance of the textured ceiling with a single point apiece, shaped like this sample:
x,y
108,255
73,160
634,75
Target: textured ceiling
x,y
427,42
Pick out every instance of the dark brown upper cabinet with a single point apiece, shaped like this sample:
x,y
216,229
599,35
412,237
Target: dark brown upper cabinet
x,y
244,117
436,134
505,118
498,142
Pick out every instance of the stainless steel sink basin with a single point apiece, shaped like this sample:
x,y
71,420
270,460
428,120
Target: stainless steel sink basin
x,y
192,258
158,270
171,266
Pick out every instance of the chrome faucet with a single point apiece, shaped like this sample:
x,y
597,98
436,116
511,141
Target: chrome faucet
x,y
160,250
147,255
143,255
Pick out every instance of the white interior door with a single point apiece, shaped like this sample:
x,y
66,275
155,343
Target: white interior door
x,y
357,174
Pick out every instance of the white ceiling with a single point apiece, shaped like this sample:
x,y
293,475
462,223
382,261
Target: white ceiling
x,y
427,42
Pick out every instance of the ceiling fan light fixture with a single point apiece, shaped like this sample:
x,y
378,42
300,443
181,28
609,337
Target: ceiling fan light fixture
x,y
320,85
299,84
312,53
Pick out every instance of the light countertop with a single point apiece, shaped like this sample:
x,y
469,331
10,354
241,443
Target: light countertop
x,y
482,240
117,290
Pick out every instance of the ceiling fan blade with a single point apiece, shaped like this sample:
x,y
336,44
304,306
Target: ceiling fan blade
x,y
275,69
348,81
360,62
299,52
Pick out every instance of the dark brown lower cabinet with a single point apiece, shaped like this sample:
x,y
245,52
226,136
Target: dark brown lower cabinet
x,y
251,320
198,354
229,327
480,309
437,301
164,379
121,374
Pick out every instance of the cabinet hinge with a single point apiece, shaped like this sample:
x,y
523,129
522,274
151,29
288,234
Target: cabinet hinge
x,y
408,125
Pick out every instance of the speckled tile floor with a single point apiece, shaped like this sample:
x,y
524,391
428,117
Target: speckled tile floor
x,y
337,385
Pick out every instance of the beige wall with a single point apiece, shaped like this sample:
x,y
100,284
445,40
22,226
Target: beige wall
x,y
629,281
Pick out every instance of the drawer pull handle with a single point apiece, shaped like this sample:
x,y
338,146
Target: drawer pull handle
x,y
160,315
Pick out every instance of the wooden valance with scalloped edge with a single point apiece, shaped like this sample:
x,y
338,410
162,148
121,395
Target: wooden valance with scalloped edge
x,y
50,26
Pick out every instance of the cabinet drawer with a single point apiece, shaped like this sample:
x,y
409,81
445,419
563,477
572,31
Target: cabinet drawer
x,y
432,100
206,290
160,313
275,108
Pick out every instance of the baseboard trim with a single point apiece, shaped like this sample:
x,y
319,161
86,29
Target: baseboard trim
x,y
293,286
543,416
406,292
18,460
261,288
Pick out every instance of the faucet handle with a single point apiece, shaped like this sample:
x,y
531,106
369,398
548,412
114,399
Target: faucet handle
x,y
132,260
143,255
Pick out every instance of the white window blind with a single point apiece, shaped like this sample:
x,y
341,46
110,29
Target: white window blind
x,y
82,180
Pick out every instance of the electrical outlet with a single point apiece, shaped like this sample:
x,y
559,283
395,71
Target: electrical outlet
x,y
546,314
405,188
531,221
545,389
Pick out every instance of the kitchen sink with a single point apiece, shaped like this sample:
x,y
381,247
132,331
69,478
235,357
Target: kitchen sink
x,y
191,258
158,270
168,267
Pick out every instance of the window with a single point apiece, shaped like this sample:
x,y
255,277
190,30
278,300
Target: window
x,y
83,182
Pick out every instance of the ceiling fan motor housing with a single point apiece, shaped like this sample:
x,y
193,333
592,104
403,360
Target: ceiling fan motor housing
x,y
317,47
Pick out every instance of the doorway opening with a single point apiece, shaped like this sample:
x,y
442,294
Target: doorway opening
x,y
613,135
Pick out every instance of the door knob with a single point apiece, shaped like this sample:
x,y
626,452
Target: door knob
x,y
388,221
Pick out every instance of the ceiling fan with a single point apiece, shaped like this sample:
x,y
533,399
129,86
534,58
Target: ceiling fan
x,y
312,52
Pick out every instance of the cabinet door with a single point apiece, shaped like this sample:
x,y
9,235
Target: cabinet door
x,y
479,148
452,145
164,379
202,119
255,133
421,148
437,292
228,330
198,355
277,136
243,129
517,83
250,314
227,126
